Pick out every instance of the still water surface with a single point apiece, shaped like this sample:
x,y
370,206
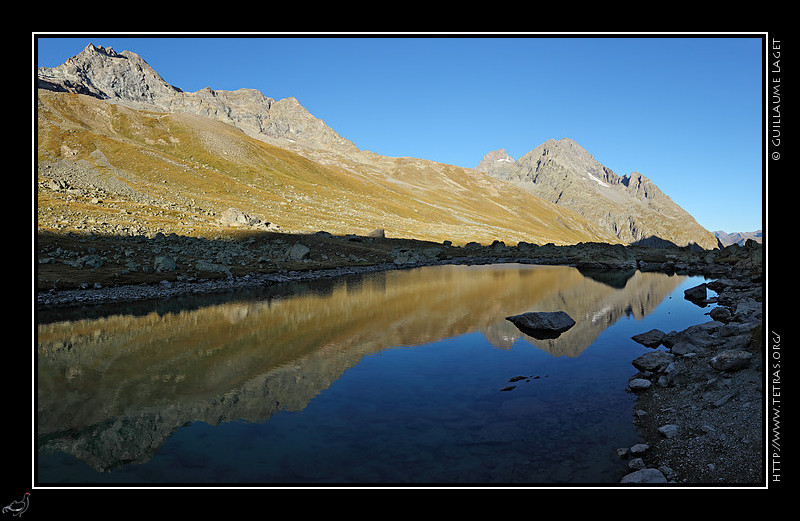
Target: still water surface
x,y
400,377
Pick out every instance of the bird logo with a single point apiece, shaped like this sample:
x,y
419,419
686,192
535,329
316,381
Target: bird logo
x,y
17,508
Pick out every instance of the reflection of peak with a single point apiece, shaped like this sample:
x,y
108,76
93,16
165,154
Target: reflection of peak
x,y
180,367
614,278
596,306
500,335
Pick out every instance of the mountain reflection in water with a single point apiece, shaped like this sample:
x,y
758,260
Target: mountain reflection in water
x,y
112,390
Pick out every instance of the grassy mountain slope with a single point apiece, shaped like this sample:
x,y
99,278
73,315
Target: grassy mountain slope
x,y
110,169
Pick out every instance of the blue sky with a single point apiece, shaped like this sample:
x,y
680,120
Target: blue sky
x,y
684,111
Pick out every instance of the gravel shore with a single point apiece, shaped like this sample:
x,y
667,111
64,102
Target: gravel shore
x,y
700,398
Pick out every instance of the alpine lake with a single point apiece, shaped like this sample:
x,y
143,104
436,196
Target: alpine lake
x,y
402,377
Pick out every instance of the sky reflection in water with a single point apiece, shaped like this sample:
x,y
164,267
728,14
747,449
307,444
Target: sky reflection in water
x,y
388,378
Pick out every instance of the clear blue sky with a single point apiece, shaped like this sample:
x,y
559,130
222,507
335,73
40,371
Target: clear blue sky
x,y
684,111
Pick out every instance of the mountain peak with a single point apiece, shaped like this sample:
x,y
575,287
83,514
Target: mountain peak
x,y
631,207
496,163
565,148
108,51
125,78
106,74
497,156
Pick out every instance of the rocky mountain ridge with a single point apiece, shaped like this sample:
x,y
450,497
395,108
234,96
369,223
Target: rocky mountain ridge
x,y
740,238
631,207
561,180
125,78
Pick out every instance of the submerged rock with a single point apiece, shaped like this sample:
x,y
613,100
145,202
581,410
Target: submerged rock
x,y
542,324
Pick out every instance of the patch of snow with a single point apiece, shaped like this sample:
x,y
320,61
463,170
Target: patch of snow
x,y
598,181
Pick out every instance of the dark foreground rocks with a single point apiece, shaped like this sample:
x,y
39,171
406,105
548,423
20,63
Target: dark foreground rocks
x,y
81,269
700,396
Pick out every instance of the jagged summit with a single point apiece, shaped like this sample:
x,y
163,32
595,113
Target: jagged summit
x,y
103,73
127,79
631,207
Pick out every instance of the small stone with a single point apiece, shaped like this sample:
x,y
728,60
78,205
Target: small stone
x,y
653,361
297,252
644,476
651,338
668,431
636,464
639,448
725,399
639,384
731,360
667,471
708,429
163,263
720,314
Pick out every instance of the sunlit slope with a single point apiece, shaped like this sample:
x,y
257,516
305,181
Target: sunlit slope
x,y
107,168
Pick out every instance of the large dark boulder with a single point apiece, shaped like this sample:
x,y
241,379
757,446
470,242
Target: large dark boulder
x,y
542,324
650,338
697,293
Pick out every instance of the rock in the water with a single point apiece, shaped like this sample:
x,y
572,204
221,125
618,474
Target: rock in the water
x,y
696,293
651,338
542,324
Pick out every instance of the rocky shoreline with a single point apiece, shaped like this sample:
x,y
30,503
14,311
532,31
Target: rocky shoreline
x,y
699,393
